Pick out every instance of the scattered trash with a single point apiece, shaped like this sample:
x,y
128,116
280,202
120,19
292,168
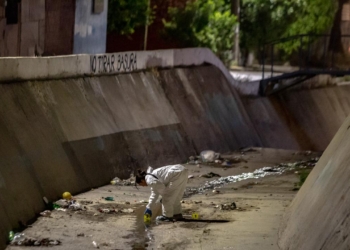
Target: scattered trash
x,y
190,176
20,240
129,182
226,163
216,191
62,203
231,206
218,161
108,211
11,235
192,160
86,202
109,198
258,173
67,196
54,242
129,210
116,181
94,243
210,175
209,156
75,205
46,213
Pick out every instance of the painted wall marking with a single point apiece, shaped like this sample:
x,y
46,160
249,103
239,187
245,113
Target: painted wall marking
x,y
113,63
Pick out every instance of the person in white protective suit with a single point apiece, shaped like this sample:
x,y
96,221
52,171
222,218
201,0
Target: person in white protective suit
x,y
169,182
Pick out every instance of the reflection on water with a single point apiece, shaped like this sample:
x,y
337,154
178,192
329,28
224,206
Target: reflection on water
x,y
142,234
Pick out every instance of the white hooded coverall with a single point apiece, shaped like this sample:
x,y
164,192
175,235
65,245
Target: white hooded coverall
x,y
171,184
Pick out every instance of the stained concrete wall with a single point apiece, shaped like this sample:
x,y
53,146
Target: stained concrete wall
x,y
299,119
90,30
319,216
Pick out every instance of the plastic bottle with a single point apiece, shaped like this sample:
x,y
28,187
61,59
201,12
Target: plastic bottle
x,y
11,235
18,238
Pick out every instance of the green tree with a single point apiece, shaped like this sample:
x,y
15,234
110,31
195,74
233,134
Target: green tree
x,y
124,16
202,23
263,21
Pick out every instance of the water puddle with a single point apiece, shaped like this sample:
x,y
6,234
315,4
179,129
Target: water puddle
x,y
143,238
257,174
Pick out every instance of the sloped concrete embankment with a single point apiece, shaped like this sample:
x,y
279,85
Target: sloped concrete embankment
x,y
299,119
78,133
319,216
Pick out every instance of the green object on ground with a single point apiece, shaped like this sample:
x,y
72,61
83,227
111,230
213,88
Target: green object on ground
x,y
11,235
55,206
109,199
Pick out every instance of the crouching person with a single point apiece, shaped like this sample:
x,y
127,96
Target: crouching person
x,y
169,182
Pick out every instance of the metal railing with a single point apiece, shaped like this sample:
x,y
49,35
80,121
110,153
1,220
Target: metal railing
x,y
311,51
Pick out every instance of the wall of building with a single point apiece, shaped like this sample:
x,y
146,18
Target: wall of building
x,y
59,31
26,37
90,30
9,34
32,28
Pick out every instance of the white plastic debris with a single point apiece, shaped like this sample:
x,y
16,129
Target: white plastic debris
x,y
129,210
209,156
94,243
75,206
46,213
18,239
62,203
120,182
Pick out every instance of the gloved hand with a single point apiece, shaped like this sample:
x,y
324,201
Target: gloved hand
x,y
148,211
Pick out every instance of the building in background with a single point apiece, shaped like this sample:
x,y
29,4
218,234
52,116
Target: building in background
x,y
52,27
117,43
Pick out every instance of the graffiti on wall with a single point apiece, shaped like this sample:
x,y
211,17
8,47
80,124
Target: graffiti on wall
x,y
113,63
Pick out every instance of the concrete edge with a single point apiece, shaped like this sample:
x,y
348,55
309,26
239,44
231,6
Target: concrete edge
x,y
59,67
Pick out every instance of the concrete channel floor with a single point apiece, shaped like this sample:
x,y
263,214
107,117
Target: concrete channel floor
x,y
254,225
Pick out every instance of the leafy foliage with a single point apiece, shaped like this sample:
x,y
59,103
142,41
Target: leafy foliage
x,y
202,23
263,21
124,16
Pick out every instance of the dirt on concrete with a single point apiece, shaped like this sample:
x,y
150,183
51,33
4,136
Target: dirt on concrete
x,y
253,224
